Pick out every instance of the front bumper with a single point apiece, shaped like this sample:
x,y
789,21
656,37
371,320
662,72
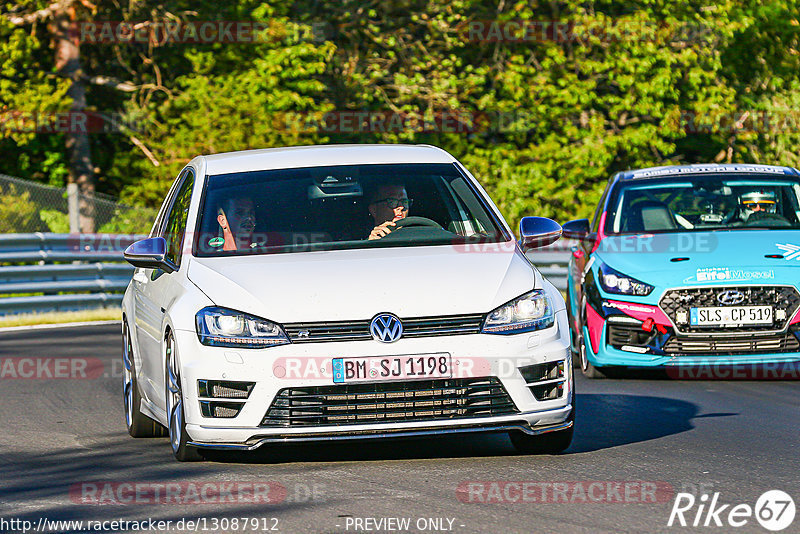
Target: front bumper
x,y
491,355
532,424
644,337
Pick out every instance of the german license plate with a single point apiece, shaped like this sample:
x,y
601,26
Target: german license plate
x,y
381,368
730,316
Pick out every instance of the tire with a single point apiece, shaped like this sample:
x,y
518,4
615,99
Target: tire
x,y
549,443
178,438
139,425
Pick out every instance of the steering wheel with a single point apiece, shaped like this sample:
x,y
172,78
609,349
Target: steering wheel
x,y
410,222
768,219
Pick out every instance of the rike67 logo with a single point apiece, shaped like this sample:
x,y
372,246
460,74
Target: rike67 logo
x,y
774,510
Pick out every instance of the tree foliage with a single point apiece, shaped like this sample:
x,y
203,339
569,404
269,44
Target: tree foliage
x,y
647,82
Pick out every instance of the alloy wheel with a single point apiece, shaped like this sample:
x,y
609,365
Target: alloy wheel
x,y
127,374
174,394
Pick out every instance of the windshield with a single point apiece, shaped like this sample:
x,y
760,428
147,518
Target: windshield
x,y
355,206
704,203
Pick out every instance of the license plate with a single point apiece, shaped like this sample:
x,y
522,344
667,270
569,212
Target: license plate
x,y
730,316
381,368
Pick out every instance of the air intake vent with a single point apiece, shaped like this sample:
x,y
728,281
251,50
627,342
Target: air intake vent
x,y
424,400
225,410
680,345
224,389
545,380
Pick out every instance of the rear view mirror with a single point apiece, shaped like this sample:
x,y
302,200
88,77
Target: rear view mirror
x,y
578,229
536,232
150,253
332,186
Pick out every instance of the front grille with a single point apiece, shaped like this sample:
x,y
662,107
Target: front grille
x,y
782,298
359,330
682,346
424,400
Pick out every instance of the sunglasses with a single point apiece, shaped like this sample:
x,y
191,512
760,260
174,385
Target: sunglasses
x,y
764,204
395,202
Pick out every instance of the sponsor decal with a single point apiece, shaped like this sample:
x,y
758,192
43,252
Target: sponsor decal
x,y
790,251
726,274
700,169
643,312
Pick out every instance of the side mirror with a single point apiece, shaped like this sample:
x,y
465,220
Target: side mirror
x,y
150,253
538,232
578,229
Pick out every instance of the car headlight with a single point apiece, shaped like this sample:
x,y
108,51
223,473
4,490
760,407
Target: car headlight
x,y
615,282
221,327
531,311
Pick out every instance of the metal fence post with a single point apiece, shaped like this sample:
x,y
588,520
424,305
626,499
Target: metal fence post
x,y
73,209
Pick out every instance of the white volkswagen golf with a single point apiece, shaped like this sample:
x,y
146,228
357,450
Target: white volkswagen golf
x,y
341,292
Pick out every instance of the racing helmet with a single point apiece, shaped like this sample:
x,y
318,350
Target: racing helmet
x,y
757,201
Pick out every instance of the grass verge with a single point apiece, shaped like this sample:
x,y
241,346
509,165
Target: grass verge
x,y
83,316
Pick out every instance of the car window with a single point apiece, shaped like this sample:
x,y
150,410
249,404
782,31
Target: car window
x,y
704,203
176,220
325,208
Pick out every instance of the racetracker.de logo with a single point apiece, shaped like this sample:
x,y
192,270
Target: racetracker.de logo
x,y
730,370
160,33
98,492
50,368
564,492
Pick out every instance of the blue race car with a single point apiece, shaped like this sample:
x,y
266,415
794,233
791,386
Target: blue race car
x,y
685,265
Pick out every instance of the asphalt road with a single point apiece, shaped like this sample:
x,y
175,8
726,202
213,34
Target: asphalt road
x,y
66,456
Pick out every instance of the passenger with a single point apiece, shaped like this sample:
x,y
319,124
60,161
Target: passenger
x,y
237,220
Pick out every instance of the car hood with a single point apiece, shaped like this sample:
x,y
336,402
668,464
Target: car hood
x,y
358,284
721,257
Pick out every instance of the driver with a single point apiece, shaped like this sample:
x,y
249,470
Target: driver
x,y
757,202
388,204
237,220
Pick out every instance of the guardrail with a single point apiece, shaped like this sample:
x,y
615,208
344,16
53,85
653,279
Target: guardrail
x,y
63,272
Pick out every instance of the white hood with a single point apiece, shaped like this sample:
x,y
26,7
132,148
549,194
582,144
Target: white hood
x,y
358,284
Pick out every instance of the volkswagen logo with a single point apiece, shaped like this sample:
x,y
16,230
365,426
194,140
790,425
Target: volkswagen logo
x,y
730,297
386,328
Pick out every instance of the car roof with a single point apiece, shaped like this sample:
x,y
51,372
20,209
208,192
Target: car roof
x,y
322,155
705,168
